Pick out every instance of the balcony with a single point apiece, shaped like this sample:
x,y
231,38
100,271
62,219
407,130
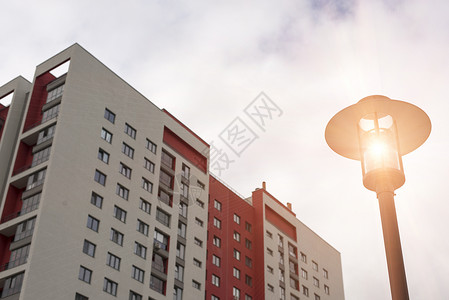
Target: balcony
x,y
15,263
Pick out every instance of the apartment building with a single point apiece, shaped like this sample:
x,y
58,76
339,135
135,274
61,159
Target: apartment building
x,y
105,196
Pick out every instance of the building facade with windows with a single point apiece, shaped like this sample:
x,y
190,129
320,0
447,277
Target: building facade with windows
x,y
103,195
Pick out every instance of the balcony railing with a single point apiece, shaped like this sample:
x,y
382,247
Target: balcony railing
x,y
19,213
160,245
159,267
22,235
15,263
21,169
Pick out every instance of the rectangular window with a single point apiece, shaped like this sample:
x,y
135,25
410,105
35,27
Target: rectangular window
x,y
89,248
326,289
269,234
216,260
100,177
316,282
200,185
177,293
24,229
119,214
159,263
145,206
110,287
248,244
93,223
305,290
199,222
236,254
292,251
122,191
184,190
180,250
147,185
199,203
137,273
196,285
248,226
303,258
166,179
142,227
182,228
134,296
50,113
185,172
161,240
214,298
151,146
215,280
148,165
130,131
325,274
183,209
217,223
270,288
269,251
236,293
163,217
248,262
164,197
197,263
217,205
109,115
106,135
103,156
216,241
282,293
96,200
157,284
40,156
13,285
236,236
317,297
30,204
270,269
236,218
294,283
36,179
140,250
179,272
293,297
304,274
314,266
55,93
125,170
198,242
127,150
85,274
236,273
18,257
116,237
80,297
113,261
280,241
46,134
168,160
293,267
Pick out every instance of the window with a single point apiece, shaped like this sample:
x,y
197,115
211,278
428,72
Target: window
x,y
326,289
217,205
305,291
292,251
179,272
235,293
80,297
29,204
200,203
236,273
304,274
236,219
269,234
24,229
269,251
159,263
316,282
46,134
157,284
145,206
122,191
12,285
197,263
282,293
106,135
183,209
151,146
55,93
142,227
215,280
96,200
50,114
110,286
147,185
130,131
177,293
281,258
127,150
200,184
85,274
164,197
236,254
293,267
294,283
248,280
199,222
198,242
163,217
236,236
93,223
109,115
248,244
89,248
36,179
280,241
116,237
325,274
270,288
113,261
182,228
303,258
281,276
248,297
317,297
270,269
140,250
216,260
217,223
40,156
293,297
216,241
125,171
168,160
161,240
134,296
214,298
119,214
248,262
148,165
180,250
185,172
100,177
137,274
196,285
314,266
184,190
248,226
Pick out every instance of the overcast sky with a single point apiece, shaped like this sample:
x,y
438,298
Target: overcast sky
x,y
206,61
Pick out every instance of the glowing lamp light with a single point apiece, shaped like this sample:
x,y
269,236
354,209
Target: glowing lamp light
x,y
378,131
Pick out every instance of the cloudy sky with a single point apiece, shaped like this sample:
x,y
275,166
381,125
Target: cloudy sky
x,y
206,61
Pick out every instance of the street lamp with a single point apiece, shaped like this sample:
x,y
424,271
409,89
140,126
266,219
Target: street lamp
x,y
378,131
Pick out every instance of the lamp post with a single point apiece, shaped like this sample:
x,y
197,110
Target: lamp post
x,y
378,131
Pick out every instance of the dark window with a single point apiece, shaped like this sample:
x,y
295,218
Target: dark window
x,y
122,191
130,131
127,150
157,284
163,217
147,185
93,223
142,227
125,170
109,115
140,250
151,146
119,214
110,286
89,248
113,261
85,274
96,200
168,160
134,296
137,273
149,165
116,237
145,206
103,156
106,135
100,177
80,297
